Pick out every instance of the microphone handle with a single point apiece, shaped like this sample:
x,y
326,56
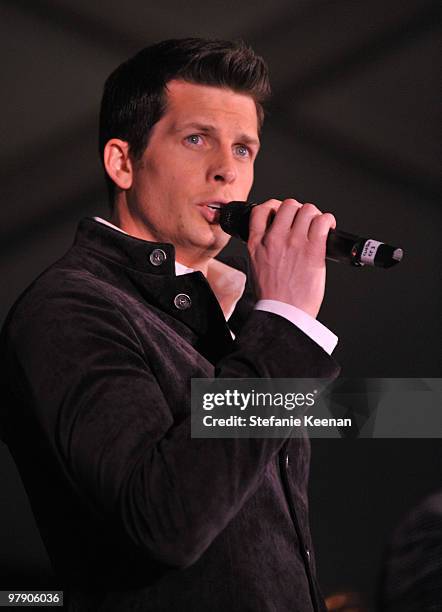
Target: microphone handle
x,y
341,246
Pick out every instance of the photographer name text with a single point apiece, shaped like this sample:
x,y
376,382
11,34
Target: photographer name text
x,y
273,421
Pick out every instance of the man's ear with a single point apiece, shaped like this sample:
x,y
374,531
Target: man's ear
x,y
118,163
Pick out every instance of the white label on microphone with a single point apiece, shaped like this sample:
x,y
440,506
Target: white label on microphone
x,y
369,251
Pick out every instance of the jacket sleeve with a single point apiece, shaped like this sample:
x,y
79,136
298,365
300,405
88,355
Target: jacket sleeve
x,y
110,426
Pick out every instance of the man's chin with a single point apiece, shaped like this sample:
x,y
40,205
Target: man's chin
x,y
204,242
220,240
211,244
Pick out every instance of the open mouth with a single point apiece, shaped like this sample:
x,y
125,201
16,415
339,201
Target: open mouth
x,y
210,210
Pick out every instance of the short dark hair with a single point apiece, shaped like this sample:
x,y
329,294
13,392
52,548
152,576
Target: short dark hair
x,y
135,97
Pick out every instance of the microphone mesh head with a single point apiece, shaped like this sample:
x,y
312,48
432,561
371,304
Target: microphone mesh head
x,y
234,219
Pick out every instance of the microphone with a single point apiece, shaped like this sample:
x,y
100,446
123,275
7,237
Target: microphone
x,y
341,246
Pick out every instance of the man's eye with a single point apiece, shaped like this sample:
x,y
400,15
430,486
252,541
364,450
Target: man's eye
x,y
242,151
194,139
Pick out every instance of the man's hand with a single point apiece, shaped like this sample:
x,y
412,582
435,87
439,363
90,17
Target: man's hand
x,y
287,248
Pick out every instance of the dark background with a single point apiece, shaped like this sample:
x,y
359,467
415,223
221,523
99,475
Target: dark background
x,y
353,128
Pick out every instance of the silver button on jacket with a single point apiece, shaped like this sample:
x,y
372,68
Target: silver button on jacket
x,y
157,257
182,301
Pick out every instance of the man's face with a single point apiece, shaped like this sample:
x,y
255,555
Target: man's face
x,y
201,151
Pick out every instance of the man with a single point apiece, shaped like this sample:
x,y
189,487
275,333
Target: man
x,y
101,349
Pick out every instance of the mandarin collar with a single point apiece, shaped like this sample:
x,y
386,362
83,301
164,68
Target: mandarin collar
x,y
188,298
142,255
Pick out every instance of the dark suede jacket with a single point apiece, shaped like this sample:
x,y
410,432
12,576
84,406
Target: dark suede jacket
x,y
136,515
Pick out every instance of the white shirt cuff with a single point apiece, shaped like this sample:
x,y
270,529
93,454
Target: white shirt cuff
x,y
310,326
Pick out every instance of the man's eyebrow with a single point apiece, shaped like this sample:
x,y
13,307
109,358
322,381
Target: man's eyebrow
x,y
207,128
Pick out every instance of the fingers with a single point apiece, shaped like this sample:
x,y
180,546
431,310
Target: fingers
x,y
303,221
285,217
291,220
261,218
320,226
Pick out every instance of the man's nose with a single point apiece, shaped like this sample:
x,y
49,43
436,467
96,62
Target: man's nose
x,y
223,168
